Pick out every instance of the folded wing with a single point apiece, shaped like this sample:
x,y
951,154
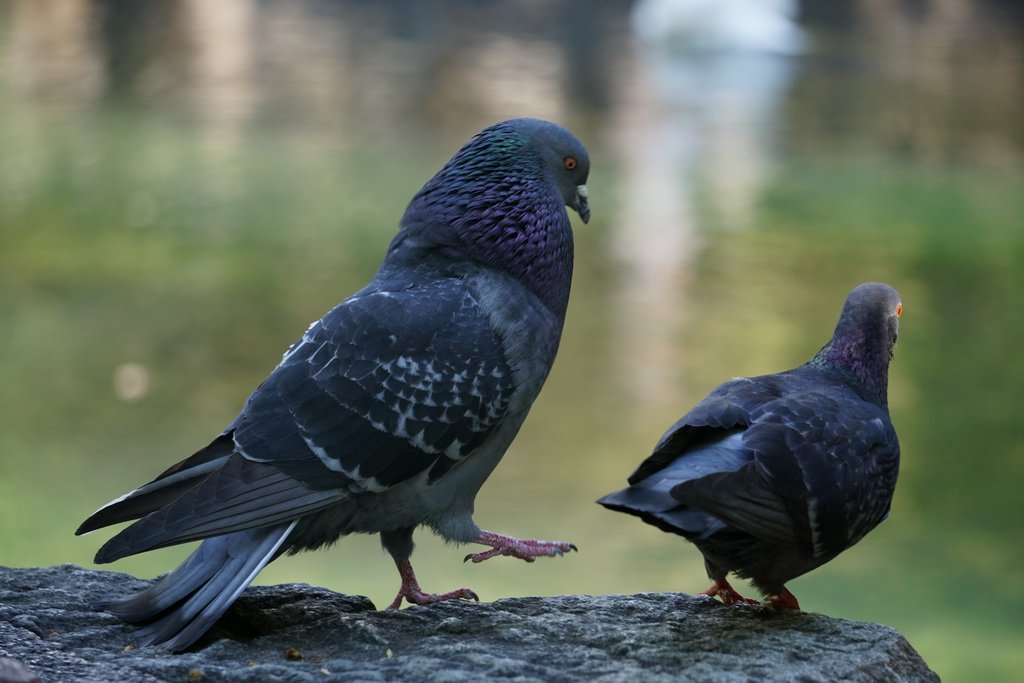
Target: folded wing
x,y
388,385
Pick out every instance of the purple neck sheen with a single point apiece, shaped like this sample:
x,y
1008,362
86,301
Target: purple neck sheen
x,y
860,351
494,204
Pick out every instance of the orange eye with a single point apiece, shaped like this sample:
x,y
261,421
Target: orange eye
x,y
899,309
570,163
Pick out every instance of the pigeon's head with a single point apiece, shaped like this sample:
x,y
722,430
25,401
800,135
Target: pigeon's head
x,y
516,160
875,308
501,201
865,336
564,158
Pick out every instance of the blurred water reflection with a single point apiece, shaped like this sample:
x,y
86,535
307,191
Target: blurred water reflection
x,y
695,117
185,185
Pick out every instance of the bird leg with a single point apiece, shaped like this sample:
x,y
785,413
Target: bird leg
x,y
727,593
784,600
523,548
398,543
412,592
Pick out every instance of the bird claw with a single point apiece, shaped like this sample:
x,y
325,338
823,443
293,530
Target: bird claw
x,y
784,600
727,593
488,554
411,591
525,549
415,596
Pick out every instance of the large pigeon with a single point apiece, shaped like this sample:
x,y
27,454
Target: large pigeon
x,y
773,476
391,410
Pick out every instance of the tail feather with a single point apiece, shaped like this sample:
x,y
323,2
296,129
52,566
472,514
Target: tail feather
x,y
660,510
177,610
174,587
651,498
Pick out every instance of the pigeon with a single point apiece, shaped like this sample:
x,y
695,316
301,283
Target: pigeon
x,y
391,411
773,476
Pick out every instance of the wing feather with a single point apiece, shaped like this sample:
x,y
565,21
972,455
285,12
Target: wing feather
x,y
385,386
241,495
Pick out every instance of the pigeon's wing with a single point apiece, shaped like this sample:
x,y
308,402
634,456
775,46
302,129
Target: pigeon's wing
x,y
650,498
165,489
387,386
717,415
237,496
809,481
834,459
704,443
723,411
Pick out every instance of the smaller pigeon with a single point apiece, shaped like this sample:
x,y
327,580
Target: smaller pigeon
x,y
773,476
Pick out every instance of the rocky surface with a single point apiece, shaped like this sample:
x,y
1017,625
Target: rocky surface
x,y
299,633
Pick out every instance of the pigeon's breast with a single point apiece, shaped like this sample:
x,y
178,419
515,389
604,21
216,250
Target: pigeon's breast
x,y
529,331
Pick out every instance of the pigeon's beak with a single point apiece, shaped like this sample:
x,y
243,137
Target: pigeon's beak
x,y
580,204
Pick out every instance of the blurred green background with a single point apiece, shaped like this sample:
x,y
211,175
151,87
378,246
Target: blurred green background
x,y
184,186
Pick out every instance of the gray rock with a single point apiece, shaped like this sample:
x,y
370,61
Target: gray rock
x,y
298,633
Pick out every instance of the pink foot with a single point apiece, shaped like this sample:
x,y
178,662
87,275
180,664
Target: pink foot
x,y
411,591
727,593
784,600
415,596
523,548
